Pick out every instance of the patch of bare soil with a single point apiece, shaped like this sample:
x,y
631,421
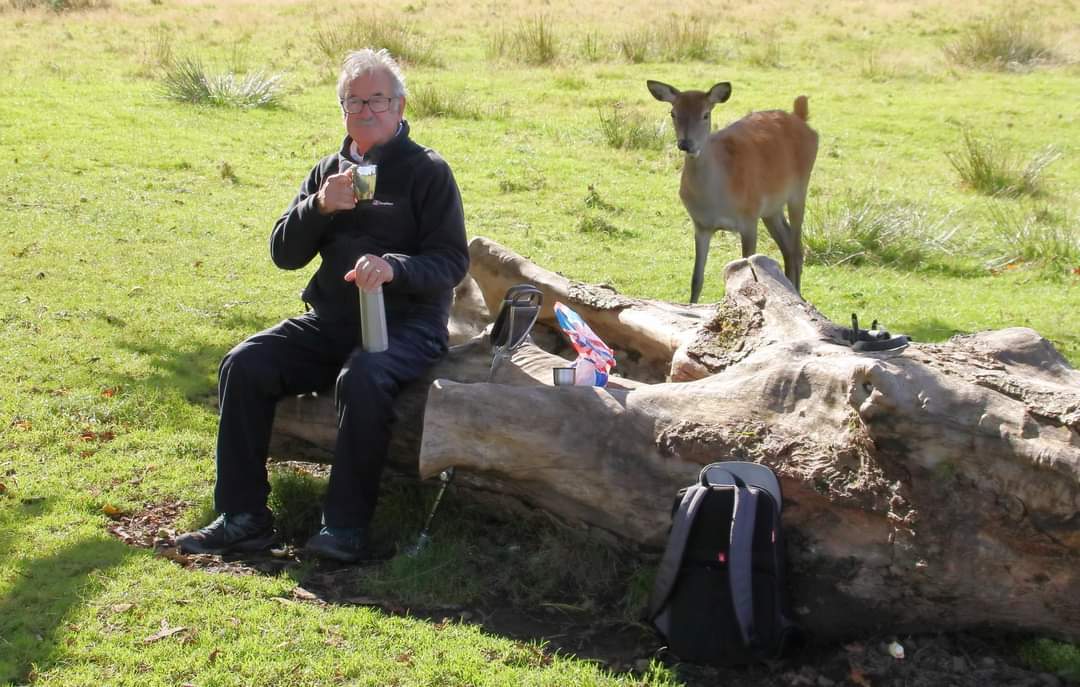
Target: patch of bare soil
x,y
933,660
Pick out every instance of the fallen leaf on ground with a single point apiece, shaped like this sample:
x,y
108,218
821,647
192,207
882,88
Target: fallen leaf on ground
x,y
90,435
164,632
121,607
24,425
3,487
112,511
108,393
214,655
173,554
303,594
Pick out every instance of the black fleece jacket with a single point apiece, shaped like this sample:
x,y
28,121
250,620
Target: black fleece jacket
x,y
415,222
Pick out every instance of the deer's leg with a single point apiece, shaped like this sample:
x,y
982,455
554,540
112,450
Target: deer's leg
x,y
790,245
796,212
748,237
702,238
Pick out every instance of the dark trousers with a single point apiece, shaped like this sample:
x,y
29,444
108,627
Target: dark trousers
x,y
301,355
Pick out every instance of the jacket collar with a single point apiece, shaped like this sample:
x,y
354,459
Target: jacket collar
x,y
381,152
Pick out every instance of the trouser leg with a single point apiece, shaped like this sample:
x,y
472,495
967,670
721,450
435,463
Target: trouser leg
x,y
297,356
365,392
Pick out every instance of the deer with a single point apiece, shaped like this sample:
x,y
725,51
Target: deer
x,y
748,170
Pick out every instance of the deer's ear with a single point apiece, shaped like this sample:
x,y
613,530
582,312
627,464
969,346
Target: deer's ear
x,y
661,91
720,93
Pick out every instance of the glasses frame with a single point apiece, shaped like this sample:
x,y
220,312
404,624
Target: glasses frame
x,y
366,102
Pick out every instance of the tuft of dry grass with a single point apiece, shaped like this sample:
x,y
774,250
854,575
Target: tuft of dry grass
x,y
59,5
1041,236
187,80
766,55
631,130
636,46
533,42
432,102
1009,41
989,167
398,36
686,39
866,229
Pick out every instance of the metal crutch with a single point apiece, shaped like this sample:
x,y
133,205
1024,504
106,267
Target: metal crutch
x,y
519,312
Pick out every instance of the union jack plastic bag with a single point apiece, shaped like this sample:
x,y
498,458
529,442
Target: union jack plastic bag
x,y
592,351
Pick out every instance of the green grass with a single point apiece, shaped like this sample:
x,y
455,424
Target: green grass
x,y
133,256
1053,657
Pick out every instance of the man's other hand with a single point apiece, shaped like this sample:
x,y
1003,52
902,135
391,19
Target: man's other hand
x,y
370,272
336,194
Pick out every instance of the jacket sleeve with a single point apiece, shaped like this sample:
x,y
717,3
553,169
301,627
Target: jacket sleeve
x,y
298,232
443,257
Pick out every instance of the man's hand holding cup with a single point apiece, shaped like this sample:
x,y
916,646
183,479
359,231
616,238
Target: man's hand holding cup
x,y
336,194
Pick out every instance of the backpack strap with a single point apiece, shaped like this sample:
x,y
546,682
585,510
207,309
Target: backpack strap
x,y
740,559
676,546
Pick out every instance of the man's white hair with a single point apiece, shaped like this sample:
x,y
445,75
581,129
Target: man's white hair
x,y
360,62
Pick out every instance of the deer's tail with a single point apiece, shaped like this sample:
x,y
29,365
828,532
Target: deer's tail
x,y
802,109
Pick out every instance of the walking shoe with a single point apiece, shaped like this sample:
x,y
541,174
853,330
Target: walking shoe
x,y
345,544
231,532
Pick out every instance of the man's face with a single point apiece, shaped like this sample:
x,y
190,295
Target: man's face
x,y
369,128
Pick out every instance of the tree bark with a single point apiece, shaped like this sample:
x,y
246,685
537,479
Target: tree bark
x,y
935,487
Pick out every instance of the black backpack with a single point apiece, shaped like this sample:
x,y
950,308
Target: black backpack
x,y
719,591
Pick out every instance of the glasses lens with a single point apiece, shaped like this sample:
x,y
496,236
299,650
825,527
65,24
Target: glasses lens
x,y
376,105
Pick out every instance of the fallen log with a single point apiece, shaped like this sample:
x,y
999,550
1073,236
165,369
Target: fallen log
x,y
935,487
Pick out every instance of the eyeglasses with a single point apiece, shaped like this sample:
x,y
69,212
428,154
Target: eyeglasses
x,y
376,104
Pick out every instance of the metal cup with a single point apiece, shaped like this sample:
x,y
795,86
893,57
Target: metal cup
x,y
363,181
563,376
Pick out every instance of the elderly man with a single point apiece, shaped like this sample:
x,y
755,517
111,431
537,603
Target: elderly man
x,y
409,240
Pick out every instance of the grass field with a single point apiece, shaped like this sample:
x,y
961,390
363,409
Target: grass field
x,y
134,235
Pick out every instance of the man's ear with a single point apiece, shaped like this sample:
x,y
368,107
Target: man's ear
x,y
401,109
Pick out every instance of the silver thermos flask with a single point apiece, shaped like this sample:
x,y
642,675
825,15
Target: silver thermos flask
x,y
373,335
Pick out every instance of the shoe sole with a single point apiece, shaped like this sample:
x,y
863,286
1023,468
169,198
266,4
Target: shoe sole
x,y
246,546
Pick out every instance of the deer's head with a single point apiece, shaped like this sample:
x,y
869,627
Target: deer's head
x,y
690,112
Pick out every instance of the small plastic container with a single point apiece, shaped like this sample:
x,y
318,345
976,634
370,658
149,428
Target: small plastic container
x,y
563,376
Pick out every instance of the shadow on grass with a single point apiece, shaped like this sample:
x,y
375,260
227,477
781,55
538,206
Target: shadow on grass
x,y
928,331
44,591
192,371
